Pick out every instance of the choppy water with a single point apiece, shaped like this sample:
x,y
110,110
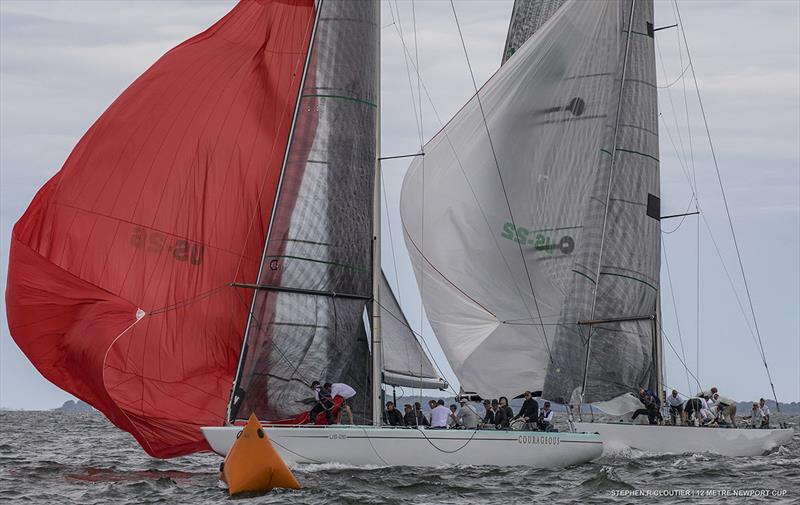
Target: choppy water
x,y
50,457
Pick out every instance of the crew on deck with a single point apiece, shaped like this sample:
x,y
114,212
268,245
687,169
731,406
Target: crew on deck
x,y
529,412
324,402
651,409
504,414
766,413
675,403
439,414
392,416
545,419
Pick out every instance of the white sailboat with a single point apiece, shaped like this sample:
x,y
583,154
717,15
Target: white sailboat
x,y
546,253
321,308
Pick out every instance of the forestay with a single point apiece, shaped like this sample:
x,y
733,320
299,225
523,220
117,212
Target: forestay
x,y
505,234
316,276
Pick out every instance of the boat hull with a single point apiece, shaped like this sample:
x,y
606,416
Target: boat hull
x,y
355,445
618,437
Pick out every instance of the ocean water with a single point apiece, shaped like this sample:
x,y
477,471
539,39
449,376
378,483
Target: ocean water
x,y
52,457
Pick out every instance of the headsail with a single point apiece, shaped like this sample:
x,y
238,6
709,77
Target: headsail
x,y
119,269
506,238
404,361
316,277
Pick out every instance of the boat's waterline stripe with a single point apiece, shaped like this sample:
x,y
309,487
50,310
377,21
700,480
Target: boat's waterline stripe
x,y
515,439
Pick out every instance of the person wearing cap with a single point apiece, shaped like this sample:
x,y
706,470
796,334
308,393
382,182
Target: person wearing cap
x,y
468,415
529,411
545,421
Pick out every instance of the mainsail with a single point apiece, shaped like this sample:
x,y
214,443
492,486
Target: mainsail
x,y
316,277
508,230
118,283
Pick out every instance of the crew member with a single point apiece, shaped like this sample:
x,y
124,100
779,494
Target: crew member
x,y
545,419
322,394
346,392
675,403
529,411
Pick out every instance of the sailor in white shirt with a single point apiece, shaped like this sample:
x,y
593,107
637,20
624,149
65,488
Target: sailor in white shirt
x,y
675,403
705,414
765,410
439,415
346,392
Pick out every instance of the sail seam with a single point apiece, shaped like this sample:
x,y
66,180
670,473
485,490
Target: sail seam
x,y
343,97
333,263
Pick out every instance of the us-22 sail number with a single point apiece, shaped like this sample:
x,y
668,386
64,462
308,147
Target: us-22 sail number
x,y
157,242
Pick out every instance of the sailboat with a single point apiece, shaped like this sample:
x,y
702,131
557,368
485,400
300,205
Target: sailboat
x,y
545,252
212,246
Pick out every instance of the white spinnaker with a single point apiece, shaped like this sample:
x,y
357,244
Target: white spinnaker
x,y
551,111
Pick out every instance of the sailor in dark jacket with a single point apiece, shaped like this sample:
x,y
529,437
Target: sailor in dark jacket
x,y
422,420
410,417
502,418
392,416
530,409
488,418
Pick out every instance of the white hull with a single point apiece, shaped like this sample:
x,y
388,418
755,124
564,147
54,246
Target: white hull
x,y
362,445
686,439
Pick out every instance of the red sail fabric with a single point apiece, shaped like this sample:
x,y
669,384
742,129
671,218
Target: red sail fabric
x,y
120,270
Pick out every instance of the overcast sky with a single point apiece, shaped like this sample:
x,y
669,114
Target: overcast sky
x,y
63,62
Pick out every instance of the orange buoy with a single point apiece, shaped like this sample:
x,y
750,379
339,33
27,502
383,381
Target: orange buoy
x,y
252,464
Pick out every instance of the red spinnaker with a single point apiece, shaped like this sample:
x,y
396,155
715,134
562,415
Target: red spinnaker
x,y
118,284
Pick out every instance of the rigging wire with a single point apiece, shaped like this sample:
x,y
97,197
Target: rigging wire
x,y
391,241
500,176
678,356
675,309
727,212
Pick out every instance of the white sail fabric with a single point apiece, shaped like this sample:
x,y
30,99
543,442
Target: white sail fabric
x,y
404,361
622,406
505,234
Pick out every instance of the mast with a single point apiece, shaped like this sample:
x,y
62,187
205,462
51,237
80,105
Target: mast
x,y
658,358
377,349
608,194
235,399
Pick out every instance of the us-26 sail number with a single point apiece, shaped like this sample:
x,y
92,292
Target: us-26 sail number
x,y
157,242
